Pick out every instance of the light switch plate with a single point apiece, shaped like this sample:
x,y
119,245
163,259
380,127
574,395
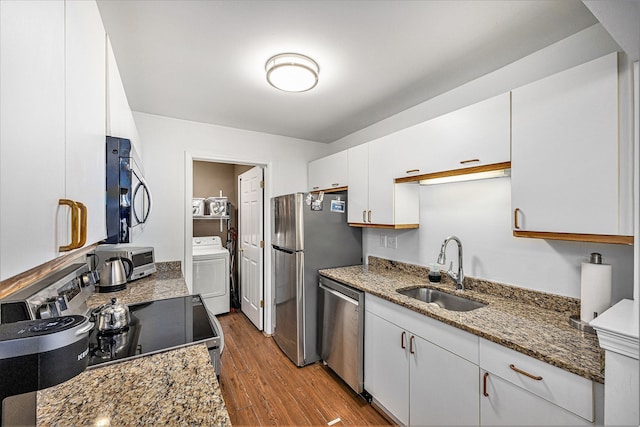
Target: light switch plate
x,y
383,241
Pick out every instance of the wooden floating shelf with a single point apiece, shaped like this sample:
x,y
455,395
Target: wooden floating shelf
x,y
387,226
575,237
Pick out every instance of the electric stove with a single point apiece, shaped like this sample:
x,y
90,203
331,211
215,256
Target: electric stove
x,y
157,326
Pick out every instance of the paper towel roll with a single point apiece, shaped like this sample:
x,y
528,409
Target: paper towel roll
x,y
595,292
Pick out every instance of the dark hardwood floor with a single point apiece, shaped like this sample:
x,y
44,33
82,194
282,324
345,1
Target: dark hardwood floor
x,y
261,386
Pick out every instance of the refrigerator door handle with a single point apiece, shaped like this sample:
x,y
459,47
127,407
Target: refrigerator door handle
x,y
278,248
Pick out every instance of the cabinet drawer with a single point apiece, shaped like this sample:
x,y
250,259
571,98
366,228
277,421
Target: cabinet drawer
x,y
439,333
556,385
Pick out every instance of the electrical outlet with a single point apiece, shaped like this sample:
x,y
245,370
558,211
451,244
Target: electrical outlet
x,y
383,241
392,242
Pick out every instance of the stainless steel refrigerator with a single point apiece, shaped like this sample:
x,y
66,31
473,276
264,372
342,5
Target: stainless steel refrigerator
x,y
307,235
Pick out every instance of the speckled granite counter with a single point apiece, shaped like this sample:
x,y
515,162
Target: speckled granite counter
x,y
533,323
177,387
167,282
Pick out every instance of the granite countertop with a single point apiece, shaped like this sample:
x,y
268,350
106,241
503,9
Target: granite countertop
x,y
176,387
533,323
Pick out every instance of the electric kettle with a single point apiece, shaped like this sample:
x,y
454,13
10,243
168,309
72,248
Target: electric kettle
x,y
114,276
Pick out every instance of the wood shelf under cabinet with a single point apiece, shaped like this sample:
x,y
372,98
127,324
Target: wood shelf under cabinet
x,y
455,172
592,238
330,190
387,226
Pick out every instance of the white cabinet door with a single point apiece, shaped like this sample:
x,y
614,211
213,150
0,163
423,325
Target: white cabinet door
x,y
444,387
32,132
386,365
358,178
477,135
85,112
329,172
381,185
564,175
507,404
120,121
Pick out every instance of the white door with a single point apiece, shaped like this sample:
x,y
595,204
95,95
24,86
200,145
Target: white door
x,y
251,245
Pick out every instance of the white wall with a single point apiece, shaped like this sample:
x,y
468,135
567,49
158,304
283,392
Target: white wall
x,y
479,213
167,140
584,46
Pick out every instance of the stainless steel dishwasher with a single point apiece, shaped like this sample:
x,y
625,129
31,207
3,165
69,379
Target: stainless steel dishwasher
x,y
342,332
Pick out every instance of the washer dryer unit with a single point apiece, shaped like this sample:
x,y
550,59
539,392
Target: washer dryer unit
x,y
211,273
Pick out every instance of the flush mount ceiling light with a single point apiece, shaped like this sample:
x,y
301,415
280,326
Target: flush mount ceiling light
x,y
292,72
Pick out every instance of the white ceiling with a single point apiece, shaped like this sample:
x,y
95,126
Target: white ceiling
x,y
204,60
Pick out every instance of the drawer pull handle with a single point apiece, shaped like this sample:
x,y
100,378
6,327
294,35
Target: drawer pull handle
x,y
413,171
335,185
469,161
315,188
411,344
526,374
516,211
402,338
484,384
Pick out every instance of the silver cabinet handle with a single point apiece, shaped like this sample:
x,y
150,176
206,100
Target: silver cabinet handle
x,y
364,216
369,216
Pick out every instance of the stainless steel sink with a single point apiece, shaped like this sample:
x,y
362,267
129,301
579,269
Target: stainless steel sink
x,y
442,299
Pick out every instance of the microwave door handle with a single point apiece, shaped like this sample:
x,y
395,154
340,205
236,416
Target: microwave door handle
x,y
145,213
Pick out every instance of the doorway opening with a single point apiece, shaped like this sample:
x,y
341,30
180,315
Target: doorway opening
x,y
216,214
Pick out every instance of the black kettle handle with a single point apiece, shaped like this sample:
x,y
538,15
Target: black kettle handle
x,y
130,264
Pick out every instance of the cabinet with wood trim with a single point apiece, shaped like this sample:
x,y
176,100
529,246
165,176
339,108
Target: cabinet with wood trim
x,y
374,200
519,390
52,101
565,156
418,370
329,173
474,136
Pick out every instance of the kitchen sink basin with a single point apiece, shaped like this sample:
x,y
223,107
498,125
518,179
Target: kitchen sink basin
x,y
442,299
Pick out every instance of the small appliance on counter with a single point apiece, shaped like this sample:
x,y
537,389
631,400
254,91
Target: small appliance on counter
x,y
114,275
36,354
128,195
142,258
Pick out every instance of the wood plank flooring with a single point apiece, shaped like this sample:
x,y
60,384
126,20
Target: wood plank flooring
x,y
261,386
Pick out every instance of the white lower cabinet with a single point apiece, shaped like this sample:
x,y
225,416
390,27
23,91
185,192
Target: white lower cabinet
x,y
520,390
414,380
423,372
509,405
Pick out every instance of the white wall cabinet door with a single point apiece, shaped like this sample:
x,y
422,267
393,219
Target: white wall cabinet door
x,y
85,112
329,172
477,135
444,387
358,178
32,132
381,185
565,149
386,365
508,404
120,122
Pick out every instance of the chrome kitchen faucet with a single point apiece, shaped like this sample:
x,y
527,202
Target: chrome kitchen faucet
x,y
442,259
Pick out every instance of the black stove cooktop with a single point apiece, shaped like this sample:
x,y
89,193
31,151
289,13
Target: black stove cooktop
x,y
155,326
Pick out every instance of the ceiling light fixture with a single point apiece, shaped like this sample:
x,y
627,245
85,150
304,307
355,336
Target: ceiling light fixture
x,y
292,72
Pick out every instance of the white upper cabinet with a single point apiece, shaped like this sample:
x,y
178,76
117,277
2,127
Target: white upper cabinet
x,y
120,121
329,173
477,135
32,132
85,113
374,200
52,128
565,153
